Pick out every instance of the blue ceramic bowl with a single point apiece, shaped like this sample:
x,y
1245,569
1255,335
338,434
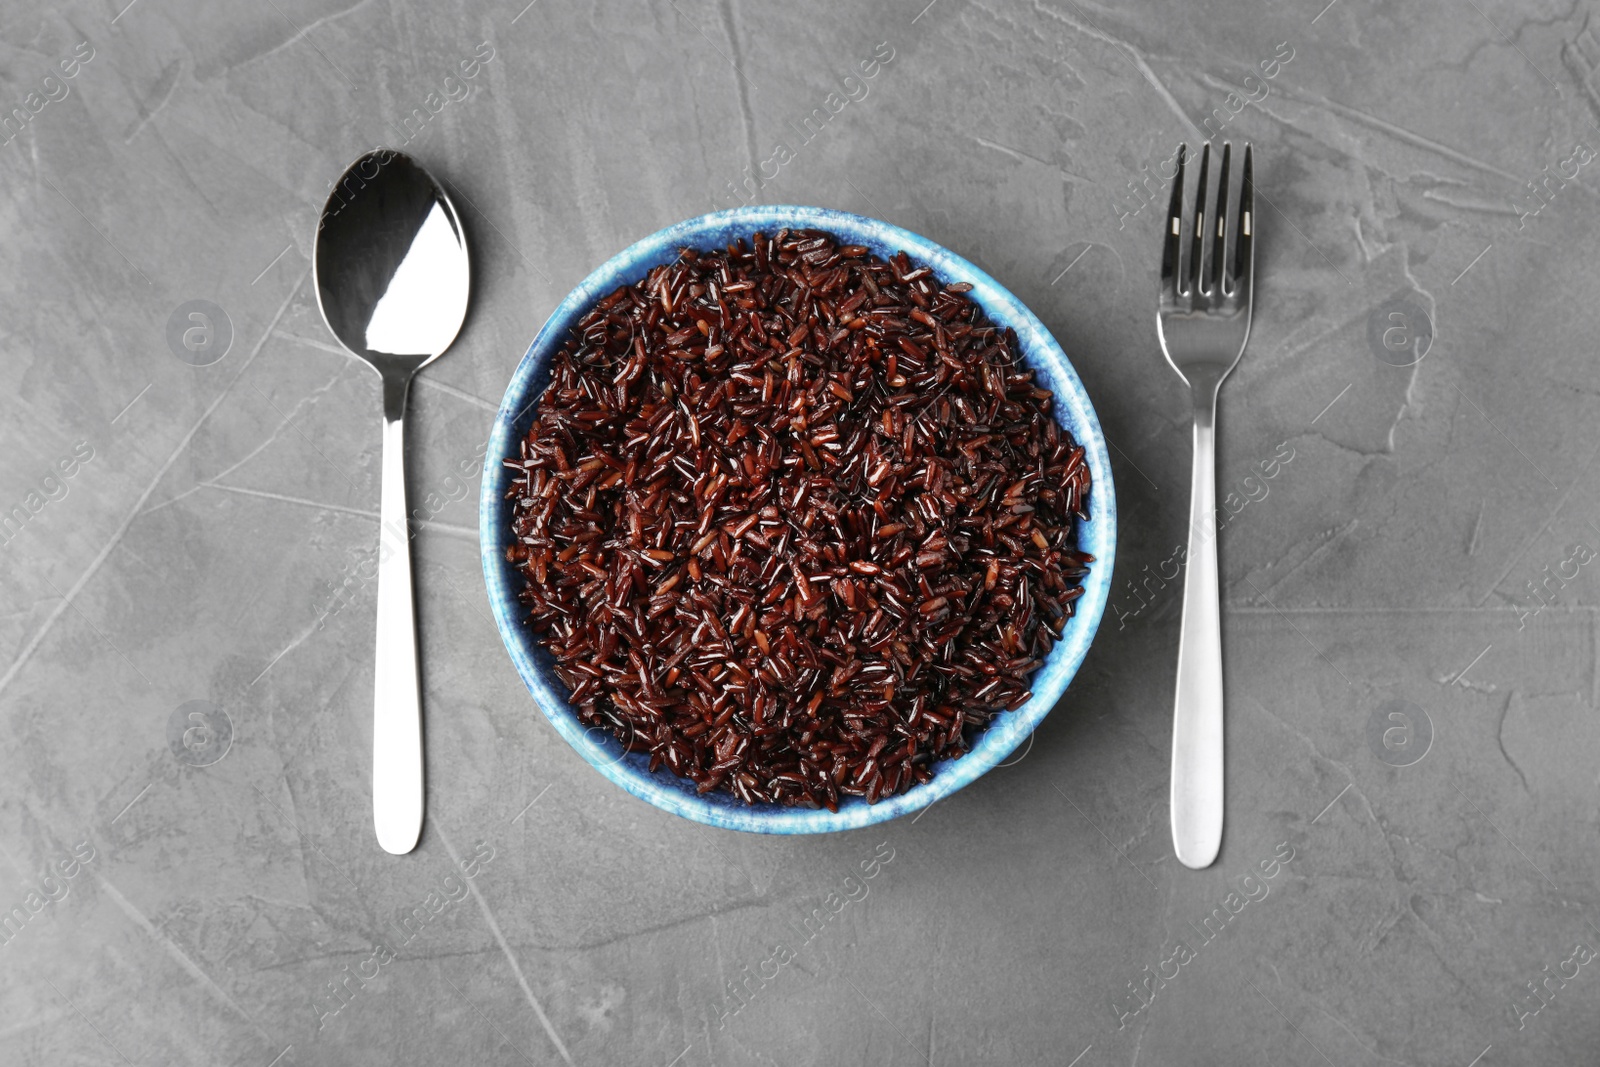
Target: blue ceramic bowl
x,y
665,790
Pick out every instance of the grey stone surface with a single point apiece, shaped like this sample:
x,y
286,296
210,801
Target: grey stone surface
x,y
218,901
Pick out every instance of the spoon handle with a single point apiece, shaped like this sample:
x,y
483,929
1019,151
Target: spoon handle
x,y
396,705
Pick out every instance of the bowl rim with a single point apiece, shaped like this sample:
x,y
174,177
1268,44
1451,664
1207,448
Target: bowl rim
x,y
1008,729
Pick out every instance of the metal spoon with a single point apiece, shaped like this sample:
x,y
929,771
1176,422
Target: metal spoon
x,y
392,279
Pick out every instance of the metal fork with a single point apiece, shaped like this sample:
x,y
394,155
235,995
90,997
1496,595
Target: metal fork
x,y
1204,321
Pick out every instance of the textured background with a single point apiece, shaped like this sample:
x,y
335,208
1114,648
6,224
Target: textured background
x,y
227,913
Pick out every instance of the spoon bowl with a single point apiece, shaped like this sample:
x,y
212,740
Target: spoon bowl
x,y
392,273
392,279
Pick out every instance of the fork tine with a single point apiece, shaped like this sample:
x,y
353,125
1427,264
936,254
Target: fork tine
x,y
1219,247
1244,241
1172,241
1197,257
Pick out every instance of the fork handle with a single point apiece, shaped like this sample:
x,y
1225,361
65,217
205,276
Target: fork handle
x,y
1197,706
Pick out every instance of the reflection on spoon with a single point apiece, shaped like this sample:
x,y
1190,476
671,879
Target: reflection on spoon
x,y
434,271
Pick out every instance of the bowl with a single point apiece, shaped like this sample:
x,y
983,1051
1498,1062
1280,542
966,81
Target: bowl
x,y
662,788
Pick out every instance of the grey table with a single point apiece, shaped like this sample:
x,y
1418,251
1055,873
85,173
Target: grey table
x,y
187,870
